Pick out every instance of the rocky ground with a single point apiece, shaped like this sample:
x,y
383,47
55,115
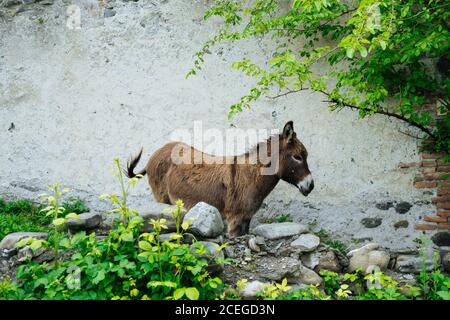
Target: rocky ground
x,y
271,252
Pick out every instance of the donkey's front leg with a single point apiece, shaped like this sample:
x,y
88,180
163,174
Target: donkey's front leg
x,y
238,226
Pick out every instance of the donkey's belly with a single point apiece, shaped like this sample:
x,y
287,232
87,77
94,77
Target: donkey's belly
x,y
193,188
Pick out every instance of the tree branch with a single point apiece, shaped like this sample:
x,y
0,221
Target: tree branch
x,y
376,111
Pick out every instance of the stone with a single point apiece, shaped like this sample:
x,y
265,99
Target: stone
x,y
279,230
109,13
367,257
403,207
364,249
278,268
251,289
384,205
85,221
211,250
10,240
441,239
205,220
8,253
371,222
253,245
311,260
342,259
159,211
329,262
414,263
306,242
401,224
446,262
308,276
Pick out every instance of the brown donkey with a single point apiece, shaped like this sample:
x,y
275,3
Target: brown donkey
x,y
234,185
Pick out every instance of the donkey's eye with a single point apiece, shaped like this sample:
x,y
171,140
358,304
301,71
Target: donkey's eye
x,y
298,158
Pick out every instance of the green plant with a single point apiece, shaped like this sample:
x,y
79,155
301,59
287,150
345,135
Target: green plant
x,y
24,215
7,288
360,55
285,217
75,205
126,264
337,244
322,234
331,281
21,215
274,290
312,292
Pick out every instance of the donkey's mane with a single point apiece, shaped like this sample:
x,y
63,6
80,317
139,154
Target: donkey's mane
x,y
262,144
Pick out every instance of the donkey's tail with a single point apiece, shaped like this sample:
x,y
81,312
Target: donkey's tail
x,y
131,164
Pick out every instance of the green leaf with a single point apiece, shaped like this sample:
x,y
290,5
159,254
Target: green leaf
x,y
179,293
40,282
72,215
127,236
58,221
144,245
363,51
100,276
350,52
445,295
192,293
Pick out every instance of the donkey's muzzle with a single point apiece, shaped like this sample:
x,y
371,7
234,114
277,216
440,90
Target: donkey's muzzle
x,y
306,185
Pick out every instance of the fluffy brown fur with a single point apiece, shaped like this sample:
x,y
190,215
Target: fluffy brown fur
x,y
235,186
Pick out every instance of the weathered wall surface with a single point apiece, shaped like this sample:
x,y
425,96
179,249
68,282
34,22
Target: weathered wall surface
x,y
79,98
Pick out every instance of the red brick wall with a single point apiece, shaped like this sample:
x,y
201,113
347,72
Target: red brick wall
x,y
433,173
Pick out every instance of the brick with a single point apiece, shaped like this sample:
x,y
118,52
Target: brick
x,y
441,162
444,184
443,169
418,179
443,192
405,165
425,227
428,170
425,185
443,205
443,213
440,199
434,176
429,163
434,219
445,226
431,155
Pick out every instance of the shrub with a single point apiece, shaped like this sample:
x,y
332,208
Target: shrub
x,y
124,265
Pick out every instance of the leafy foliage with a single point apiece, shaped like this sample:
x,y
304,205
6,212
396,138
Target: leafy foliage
x,y
359,54
337,244
126,264
356,286
24,215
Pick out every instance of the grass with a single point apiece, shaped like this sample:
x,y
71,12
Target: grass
x,y
279,219
24,215
338,245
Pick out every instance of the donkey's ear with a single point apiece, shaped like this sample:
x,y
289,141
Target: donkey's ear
x,y
288,131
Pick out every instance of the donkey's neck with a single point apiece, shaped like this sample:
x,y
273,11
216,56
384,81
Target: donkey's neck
x,y
264,184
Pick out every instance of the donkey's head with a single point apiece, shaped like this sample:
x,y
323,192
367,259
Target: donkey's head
x,y
293,167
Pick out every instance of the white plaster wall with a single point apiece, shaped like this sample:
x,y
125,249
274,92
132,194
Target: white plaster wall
x,y
79,98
